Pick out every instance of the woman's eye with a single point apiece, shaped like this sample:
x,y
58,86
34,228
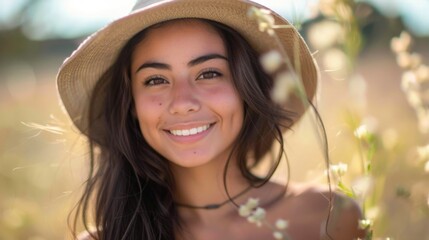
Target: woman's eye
x,y
155,81
209,74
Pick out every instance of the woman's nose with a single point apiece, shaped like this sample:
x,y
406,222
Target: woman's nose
x,y
184,99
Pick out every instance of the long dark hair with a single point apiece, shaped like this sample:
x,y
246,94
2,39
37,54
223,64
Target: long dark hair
x,y
130,183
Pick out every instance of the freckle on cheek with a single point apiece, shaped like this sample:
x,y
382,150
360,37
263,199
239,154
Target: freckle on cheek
x,y
160,104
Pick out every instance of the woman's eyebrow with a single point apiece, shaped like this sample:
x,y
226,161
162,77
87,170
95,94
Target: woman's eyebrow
x,y
206,57
193,62
156,65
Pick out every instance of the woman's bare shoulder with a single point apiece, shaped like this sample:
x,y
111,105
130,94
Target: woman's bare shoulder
x,y
328,206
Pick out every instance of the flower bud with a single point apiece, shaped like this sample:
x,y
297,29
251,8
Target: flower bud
x,y
271,61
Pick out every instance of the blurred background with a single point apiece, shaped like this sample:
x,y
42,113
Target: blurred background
x,y
373,77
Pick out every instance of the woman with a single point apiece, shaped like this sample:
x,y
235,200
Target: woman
x,y
177,111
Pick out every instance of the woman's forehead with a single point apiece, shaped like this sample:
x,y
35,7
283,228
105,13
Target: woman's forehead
x,y
180,24
187,38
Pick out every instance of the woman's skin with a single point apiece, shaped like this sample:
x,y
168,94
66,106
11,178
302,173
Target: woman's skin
x,y
189,111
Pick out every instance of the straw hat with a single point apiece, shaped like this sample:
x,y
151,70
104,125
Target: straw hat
x,y
80,72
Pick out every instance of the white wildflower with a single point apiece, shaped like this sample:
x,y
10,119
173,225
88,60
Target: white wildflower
x,y
407,60
339,169
401,43
416,60
331,31
278,235
403,59
361,132
271,61
284,85
252,203
365,223
422,73
409,81
336,63
259,213
246,209
264,18
257,216
281,224
414,99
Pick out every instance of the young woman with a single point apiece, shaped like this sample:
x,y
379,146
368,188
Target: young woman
x,y
177,111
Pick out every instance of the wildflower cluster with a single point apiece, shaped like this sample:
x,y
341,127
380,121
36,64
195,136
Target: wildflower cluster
x,y
341,39
367,141
415,84
286,82
362,186
359,190
415,78
256,215
339,48
338,171
265,20
252,212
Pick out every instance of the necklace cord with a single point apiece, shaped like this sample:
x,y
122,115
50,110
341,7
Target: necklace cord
x,y
215,205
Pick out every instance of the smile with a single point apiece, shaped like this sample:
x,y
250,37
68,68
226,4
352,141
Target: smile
x,y
190,132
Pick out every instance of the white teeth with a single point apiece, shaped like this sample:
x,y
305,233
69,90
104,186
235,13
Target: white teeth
x,y
193,131
188,132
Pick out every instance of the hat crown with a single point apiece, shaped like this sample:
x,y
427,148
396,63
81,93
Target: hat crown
x,y
144,3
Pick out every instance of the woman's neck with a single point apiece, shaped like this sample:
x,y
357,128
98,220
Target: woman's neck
x,y
204,185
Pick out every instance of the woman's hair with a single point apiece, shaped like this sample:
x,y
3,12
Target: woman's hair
x,y
130,183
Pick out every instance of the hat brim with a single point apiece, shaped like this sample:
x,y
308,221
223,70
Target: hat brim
x,y
80,72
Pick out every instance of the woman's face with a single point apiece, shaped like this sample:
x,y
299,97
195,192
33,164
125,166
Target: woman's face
x,y
185,102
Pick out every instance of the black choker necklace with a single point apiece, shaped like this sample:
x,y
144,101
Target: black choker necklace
x,y
214,205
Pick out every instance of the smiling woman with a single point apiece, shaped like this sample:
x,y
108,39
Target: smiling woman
x,y
178,112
